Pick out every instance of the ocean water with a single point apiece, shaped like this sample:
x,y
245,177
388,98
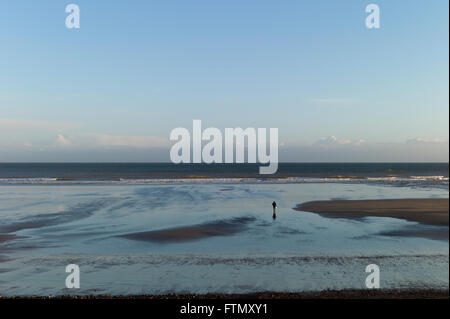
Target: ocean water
x,y
76,173
89,214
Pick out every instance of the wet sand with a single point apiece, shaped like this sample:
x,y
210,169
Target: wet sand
x,y
326,294
425,211
188,233
7,237
428,212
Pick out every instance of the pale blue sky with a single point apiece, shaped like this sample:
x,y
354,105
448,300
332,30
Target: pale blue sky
x,y
137,69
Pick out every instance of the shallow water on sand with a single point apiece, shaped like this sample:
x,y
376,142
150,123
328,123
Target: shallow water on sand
x,y
132,239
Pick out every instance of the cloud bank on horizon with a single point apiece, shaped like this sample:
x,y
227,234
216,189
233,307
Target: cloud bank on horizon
x,y
89,147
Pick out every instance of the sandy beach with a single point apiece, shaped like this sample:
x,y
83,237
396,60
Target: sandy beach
x,y
425,211
431,212
198,241
194,232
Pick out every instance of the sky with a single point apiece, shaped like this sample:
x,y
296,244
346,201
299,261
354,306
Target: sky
x,y
115,88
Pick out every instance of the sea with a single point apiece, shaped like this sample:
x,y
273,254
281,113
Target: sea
x,y
92,214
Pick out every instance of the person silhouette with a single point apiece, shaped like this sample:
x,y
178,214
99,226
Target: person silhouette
x,y
274,205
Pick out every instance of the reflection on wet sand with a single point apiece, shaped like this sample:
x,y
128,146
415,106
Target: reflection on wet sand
x,y
7,237
187,233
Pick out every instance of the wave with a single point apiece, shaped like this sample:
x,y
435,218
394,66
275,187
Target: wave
x,y
27,180
393,180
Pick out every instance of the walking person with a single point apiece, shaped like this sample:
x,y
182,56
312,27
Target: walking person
x,y
274,205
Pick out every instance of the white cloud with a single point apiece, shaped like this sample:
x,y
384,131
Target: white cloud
x,y
426,140
333,141
359,142
105,141
31,134
61,140
333,149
